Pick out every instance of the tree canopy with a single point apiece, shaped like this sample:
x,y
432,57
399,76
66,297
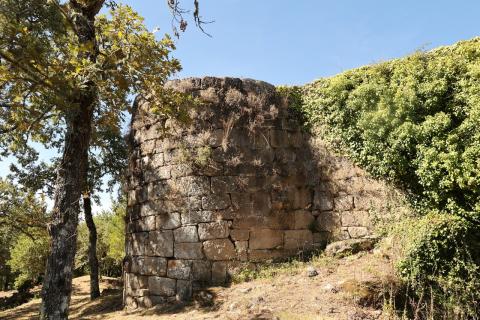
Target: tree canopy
x,y
41,72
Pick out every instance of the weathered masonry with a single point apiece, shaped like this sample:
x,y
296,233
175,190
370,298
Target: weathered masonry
x,y
241,182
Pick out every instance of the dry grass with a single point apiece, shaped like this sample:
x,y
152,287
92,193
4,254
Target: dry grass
x,y
283,291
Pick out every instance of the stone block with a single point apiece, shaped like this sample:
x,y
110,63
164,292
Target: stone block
x,y
216,138
151,208
137,196
160,243
262,203
182,204
303,219
357,232
167,221
255,183
181,170
184,290
202,271
296,139
248,222
192,186
175,156
229,184
298,239
150,301
137,265
139,243
145,224
134,212
179,269
301,198
192,251
240,200
366,202
149,266
155,266
157,160
142,195
215,202
158,190
350,246
195,217
343,203
147,147
328,221
163,172
285,156
162,286
130,302
279,139
242,250
213,230
267,254
322,201
265,239
219,249
246,210
355,219
137,281
261,140
186,234
240,234
165,144
219,272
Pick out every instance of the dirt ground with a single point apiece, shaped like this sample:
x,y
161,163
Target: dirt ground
x,y
341,290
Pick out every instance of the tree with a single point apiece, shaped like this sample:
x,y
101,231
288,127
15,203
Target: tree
x,y
65,72
110,226
23,228
92,248
107,161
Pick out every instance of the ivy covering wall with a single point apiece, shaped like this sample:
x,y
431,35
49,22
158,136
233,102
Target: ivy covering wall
x,y
415,122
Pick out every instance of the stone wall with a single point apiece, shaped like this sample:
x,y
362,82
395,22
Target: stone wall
x,y
240,182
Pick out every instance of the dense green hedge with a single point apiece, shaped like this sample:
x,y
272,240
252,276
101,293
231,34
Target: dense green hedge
x,y
440,262
414,121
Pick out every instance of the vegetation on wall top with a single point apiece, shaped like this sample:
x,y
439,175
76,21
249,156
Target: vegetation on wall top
x,y
413,121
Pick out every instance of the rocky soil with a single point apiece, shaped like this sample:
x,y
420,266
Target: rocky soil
x,y
325,288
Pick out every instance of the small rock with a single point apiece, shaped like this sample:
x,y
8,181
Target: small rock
x,y
349,246
330,288
233,306
245,290
205,299
311,272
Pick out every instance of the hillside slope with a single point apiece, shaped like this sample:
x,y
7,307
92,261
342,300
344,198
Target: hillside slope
x,y
338,292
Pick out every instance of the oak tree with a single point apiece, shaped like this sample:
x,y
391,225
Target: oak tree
x,y
66,72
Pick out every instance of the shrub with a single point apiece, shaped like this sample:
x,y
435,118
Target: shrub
x,y
440,263
28,259
412,121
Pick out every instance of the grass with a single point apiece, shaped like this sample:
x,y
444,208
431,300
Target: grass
x,y
269,270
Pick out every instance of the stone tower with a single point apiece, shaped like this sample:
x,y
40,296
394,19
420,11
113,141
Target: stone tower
x,y
240,182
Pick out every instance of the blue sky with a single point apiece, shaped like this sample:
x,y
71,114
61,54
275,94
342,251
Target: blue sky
x,y
298,41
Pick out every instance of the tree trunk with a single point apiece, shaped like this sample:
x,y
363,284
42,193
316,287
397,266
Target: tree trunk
x,y
92,248
70,183
71,174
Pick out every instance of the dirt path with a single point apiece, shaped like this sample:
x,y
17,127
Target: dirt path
x,y
337,292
